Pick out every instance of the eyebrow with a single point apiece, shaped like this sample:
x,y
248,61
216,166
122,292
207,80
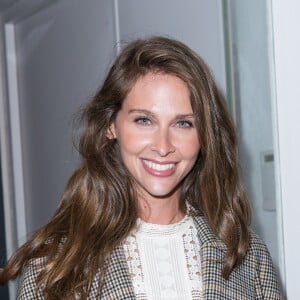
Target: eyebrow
x,y
149,113
141,111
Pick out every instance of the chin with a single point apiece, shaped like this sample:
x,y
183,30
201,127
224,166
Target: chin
x,y
166,193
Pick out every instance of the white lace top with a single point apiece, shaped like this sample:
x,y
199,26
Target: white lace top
x,y
164,261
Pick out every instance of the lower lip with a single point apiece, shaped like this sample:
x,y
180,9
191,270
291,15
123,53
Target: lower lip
x,y
164,173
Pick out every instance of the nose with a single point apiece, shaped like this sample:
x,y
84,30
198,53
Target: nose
x,y
162,143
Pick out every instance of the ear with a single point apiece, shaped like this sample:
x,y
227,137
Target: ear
x,y
111,132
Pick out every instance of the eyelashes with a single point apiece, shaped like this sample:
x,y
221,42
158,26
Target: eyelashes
x,y
145,121
184,124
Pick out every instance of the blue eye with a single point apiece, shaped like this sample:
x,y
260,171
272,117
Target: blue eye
x,y
184,124
142,121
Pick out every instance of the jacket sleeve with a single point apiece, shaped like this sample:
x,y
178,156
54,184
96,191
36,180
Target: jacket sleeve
x,y
266,282
28,288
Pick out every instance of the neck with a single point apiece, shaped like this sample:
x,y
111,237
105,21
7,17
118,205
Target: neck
x,y
160,211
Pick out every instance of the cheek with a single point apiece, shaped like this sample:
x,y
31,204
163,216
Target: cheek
x,y
190,147
132,142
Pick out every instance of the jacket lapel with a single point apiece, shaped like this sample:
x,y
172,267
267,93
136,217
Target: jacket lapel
x,y
117,283
212,253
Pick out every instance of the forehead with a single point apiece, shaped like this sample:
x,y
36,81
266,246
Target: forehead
x,y
159,91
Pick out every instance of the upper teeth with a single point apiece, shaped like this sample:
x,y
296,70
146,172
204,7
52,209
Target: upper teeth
x,y
158,167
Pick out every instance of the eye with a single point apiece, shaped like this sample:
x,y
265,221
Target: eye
x,y
142,121
184,124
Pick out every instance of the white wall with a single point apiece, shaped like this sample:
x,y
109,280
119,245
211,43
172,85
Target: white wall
x,y
287,65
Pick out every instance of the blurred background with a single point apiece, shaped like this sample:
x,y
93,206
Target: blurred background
x,y
54,56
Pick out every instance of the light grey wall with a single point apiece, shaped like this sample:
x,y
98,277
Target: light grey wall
x,y
254,113
63,52
4,4
198,23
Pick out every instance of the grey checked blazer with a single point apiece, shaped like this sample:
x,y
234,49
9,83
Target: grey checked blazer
x,y
253,279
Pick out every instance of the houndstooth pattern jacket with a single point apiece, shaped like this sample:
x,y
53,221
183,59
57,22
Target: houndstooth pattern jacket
x,y
253,279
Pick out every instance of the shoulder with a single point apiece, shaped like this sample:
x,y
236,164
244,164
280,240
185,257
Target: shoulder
x,y
258,249
259,260
28,287
256,243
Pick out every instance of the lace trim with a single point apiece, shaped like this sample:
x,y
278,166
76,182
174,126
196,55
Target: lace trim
x,y
192,256
134,263
161,230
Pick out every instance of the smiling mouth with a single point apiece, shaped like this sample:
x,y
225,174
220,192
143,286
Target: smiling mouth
x,y
158,167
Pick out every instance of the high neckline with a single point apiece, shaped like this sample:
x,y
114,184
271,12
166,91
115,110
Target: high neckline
x,y
163,229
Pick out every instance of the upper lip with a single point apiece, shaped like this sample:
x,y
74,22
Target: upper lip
x,y
160,162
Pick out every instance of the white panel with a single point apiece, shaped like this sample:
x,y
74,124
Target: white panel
x,y
15,132
198,23
287,65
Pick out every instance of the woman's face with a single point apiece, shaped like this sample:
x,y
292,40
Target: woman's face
x,y
156,133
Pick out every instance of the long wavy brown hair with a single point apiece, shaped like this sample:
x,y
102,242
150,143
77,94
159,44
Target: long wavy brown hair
x,y
98,207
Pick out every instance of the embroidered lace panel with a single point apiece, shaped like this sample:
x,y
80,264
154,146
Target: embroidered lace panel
x,y
164,261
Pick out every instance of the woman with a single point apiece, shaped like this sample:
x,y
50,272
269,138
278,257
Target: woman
x,y
156,209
